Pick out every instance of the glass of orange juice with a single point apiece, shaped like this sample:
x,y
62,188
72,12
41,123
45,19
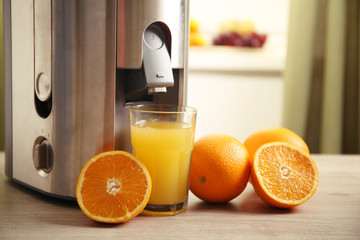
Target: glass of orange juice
x,y
162,137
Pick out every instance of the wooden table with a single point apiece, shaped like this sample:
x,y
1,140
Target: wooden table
x,y
332,213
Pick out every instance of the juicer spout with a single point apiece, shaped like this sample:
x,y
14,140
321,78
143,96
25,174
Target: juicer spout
x,y
156,60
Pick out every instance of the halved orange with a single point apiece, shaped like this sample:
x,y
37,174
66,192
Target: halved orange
x,y
283,175
113,187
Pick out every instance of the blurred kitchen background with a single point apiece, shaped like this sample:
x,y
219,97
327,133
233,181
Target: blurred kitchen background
x,y
261,63
237,89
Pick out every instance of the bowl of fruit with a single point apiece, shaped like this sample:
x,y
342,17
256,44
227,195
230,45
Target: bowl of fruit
x,y
239,34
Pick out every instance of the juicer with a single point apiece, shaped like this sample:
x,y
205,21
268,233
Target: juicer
x,y
73,68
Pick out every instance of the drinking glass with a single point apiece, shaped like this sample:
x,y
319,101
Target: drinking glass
x,y
162,137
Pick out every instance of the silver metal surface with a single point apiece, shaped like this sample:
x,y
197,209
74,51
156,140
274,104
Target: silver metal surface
x,y
172,13
42,49
82,73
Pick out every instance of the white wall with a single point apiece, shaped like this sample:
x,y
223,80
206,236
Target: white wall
x,y
233,104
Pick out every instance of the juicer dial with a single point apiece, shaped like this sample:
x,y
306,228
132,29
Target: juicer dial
x,y
43,156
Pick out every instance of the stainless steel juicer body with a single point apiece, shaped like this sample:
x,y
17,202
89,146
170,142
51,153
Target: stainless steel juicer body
x,y
73,68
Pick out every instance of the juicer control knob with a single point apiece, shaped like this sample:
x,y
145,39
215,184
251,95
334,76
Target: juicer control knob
x,y
43,155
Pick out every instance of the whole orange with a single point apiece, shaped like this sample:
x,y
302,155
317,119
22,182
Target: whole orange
x,y
273,134
220,168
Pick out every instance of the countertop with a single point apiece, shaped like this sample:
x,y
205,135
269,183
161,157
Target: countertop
x,y
332,213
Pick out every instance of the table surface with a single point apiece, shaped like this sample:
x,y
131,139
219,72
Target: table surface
x,y
332,213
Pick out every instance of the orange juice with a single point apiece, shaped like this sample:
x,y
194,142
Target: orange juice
x,y
165,148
